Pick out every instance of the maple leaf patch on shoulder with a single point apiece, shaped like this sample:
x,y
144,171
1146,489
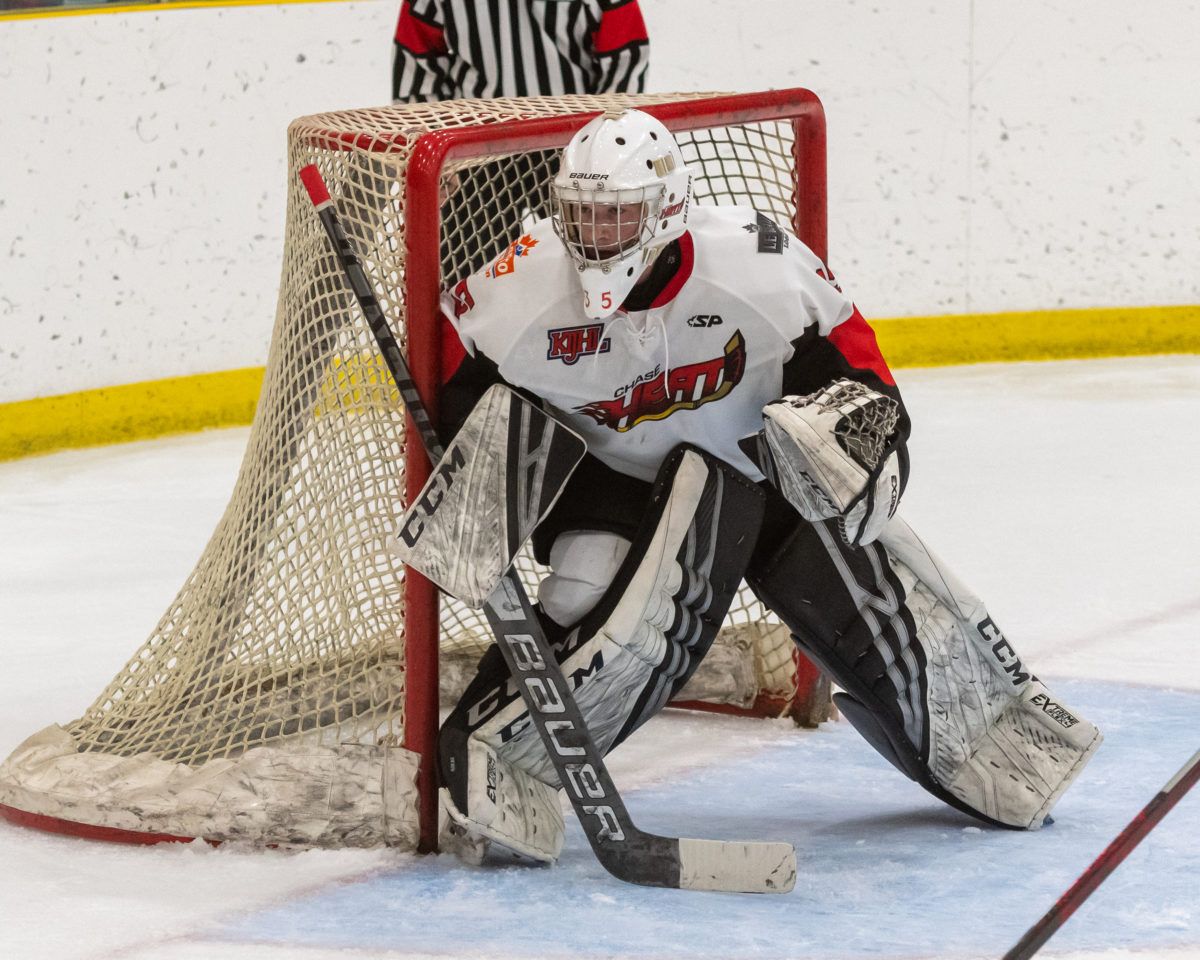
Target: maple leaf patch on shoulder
x,y
770,238
507,261
463,301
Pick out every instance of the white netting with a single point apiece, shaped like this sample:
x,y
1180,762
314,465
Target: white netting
x,y
289,635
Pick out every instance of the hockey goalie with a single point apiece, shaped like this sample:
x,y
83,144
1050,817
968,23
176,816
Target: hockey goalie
x,y
739,422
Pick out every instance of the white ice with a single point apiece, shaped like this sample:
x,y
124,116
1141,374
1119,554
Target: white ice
x,y
1064,493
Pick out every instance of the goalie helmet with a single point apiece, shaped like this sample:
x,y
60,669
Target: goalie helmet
x,y
621,194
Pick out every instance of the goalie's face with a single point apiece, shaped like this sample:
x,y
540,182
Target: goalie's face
x,y
620,195
602,227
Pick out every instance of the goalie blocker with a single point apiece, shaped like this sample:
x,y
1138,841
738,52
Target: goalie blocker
x,y
495,482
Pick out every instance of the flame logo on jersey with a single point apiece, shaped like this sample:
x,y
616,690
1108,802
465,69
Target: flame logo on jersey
x,y
681,388
508,259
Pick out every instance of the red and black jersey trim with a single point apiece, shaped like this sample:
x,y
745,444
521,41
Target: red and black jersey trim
x,y
670,272
465,378
849,351
687,262
856,341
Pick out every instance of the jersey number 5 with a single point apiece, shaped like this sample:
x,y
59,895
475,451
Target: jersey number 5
x,y
605,299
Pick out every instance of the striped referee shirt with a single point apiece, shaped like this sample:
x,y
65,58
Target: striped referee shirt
x,y
451,49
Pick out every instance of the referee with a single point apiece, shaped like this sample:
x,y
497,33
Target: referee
x,y
458,49
454,49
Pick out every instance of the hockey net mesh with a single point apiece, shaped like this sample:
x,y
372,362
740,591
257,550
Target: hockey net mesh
x,y
290,629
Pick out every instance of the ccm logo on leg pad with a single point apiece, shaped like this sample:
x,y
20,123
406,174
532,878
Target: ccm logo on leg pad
x,y
432,498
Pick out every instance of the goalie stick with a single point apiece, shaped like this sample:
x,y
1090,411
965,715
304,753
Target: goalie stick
x,y
628,853
1037,935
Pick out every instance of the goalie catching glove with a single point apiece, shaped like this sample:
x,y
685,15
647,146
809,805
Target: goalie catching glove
x,y
834,454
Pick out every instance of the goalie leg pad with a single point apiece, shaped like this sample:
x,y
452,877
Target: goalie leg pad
x,y
929,679
643,640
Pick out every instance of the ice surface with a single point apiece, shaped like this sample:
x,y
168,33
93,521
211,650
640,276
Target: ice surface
x,y
1062,492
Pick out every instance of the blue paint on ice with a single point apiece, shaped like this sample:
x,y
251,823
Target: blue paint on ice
x,y
885,870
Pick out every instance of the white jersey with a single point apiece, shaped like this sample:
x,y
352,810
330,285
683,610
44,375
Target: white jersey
x,y
696,367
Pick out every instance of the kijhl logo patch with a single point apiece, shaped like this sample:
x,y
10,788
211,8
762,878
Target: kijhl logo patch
x,y
568,344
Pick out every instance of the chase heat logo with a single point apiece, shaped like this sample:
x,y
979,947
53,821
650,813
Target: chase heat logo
x,y
681,388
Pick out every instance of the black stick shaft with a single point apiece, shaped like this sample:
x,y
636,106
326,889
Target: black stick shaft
x,y
509,612
625,851
518,633
365,295
1107,862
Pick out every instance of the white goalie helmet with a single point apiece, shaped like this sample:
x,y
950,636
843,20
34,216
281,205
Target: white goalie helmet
x,y
621,194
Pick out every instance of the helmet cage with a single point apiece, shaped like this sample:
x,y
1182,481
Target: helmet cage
x,y
582,217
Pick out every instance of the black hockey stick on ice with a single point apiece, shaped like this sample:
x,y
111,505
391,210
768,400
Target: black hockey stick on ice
x,y
1036,936
625,851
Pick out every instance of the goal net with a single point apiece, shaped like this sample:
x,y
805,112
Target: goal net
x,y
289,694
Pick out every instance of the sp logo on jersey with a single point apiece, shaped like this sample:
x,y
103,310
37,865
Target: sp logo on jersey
x,y
681,388
568,344
508,259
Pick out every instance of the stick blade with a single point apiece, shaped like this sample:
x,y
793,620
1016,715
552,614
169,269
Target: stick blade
x,y
732,867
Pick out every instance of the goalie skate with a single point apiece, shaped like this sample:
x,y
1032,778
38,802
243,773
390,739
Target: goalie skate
x,y
493,801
